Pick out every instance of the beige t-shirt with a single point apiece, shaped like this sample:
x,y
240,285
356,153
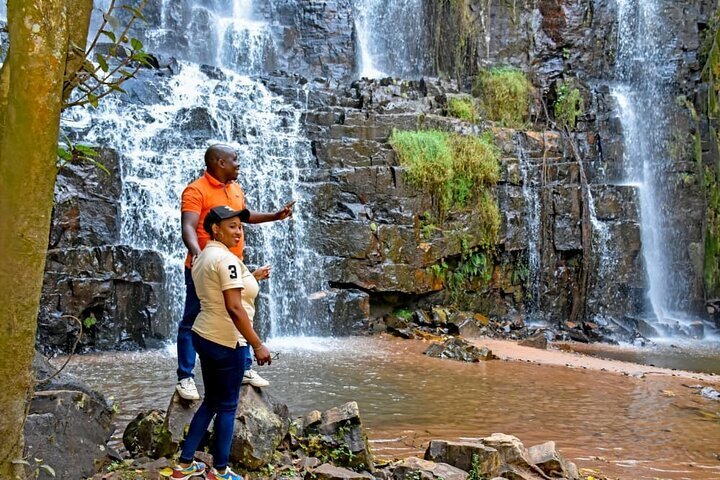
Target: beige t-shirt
x,y
217,269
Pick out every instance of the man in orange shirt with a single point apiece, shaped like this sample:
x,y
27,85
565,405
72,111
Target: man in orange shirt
x,y
216,187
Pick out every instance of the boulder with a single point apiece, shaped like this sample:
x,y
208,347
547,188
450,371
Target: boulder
x,y
465,456
327,471
260,425
339,437
178,417
514,455
459,349
546,457
536,340
464,324
69,431
147,436
413,468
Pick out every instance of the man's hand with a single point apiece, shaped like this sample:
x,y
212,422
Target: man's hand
x,y
262,273
286,211
262,355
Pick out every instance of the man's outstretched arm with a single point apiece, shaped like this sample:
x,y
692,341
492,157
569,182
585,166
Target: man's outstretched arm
x,y
260,217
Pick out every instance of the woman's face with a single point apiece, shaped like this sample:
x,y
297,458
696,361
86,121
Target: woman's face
x,y
228,231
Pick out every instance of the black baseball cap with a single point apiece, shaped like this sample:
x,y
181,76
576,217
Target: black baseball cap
x,y
223,212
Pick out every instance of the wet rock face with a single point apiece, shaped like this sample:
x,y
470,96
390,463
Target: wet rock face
x,y
372,226
313,38
114,290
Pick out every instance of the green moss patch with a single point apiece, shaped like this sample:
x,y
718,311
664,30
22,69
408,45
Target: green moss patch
x,y
569,105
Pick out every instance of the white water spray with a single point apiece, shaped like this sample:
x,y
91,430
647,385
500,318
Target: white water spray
x,y
390,38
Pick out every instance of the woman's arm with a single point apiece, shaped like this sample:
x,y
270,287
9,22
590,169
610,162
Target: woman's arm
x,y
233,305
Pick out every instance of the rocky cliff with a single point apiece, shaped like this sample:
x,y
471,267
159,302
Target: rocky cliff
x,y
568,248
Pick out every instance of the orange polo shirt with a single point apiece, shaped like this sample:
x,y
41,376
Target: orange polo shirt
x,y
205,193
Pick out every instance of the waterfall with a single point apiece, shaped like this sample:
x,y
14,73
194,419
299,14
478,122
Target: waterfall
x,y
161,130
642,92
531,194
390,38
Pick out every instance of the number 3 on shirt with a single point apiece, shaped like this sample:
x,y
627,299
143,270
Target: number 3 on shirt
x,y
233,271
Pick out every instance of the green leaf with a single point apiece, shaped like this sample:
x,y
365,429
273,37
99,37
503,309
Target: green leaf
x,y
112,21
48,469
126,74
89,322
20,461
373,227
86,151
93,100
116,87
97,164
110,35
103,63
136,12
143,58
136,44
64,154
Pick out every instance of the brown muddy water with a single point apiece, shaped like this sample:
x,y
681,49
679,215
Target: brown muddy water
x,y
629,428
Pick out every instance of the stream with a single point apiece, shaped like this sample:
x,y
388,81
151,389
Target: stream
x,y
630,428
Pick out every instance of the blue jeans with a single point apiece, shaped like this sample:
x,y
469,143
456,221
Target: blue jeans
x,y
222,370
185,348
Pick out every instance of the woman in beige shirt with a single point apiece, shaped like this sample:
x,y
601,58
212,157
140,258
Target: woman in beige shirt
x,y
221,335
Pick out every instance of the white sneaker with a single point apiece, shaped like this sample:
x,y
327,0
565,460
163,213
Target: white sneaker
x,y
252,377
186,389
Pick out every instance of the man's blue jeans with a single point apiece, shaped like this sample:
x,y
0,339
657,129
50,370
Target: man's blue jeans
x,y
185,349
222,371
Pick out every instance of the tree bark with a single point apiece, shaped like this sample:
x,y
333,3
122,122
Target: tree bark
x,y
29,127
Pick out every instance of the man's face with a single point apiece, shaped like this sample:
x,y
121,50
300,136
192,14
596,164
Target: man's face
x,y
230,166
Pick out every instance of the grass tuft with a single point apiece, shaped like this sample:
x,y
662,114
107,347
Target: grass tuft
x,y
456,170
463,108
504,95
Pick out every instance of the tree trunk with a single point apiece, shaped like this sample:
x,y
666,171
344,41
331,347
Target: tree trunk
x,y
29,125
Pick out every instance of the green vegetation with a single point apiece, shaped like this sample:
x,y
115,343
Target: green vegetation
x,y
450,167
710,53
712,233
457,274
459,172
403,313
474,473
456,38
89,322
463,108
569,105
505,95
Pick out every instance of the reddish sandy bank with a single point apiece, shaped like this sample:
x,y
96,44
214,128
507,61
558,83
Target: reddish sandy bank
x,y
510,350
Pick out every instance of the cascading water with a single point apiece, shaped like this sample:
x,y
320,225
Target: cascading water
x,y
390,38
224,33
162,135
531,194
643,73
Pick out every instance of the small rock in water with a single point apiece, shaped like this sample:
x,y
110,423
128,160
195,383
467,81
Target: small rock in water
x,y
459,349
711,393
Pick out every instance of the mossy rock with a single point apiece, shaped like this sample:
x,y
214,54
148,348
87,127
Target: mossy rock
x,y
147,436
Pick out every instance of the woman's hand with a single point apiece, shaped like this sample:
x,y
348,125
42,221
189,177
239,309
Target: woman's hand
x,y
262,355
262,273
